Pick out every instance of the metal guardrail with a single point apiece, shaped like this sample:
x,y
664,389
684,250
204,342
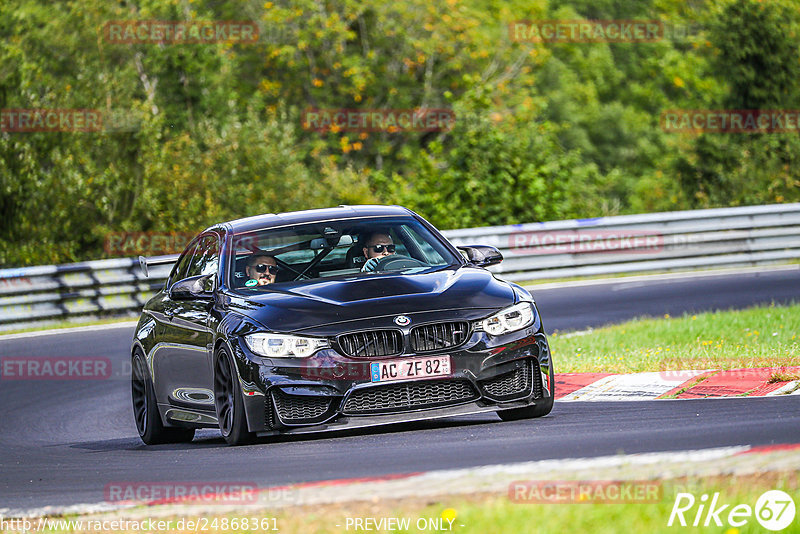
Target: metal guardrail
x,y
61,292
726,237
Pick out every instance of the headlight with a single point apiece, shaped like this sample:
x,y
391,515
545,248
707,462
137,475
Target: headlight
x,y
283,346
511,319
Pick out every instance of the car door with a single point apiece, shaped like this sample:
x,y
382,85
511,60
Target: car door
x,y
183,365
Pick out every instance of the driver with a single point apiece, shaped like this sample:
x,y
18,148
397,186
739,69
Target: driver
x,y
261,270
377,245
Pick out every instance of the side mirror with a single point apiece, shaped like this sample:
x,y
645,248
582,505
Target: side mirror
x,y
481,255
194,287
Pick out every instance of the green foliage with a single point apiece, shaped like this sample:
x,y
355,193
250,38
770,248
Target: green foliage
x,y
502,170
198,133
756,52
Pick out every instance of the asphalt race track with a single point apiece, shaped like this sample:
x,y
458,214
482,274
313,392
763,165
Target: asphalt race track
x,y
61,442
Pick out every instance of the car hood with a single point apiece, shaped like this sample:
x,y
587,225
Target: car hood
x,y
323,303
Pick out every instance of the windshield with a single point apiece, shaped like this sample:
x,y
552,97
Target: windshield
x,y
306,253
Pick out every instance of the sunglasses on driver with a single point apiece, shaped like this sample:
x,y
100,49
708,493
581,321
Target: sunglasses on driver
x,y
379,248
273,269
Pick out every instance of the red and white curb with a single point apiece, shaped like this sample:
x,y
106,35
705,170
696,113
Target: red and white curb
x,y
691,384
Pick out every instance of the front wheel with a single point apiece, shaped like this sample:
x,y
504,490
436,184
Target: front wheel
x,y
542,407
529,412
229,402
145,409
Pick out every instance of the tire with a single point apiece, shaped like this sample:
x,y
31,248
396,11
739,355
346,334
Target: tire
x,y
228,401
145,408
531,412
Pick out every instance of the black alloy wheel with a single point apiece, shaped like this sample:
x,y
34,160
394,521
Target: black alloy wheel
x,y
145,410
228,401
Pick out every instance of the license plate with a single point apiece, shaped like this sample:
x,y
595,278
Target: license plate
x,y
410,369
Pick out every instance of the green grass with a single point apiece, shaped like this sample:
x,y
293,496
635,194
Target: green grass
x,y
56,325
496,513
500,515
767,336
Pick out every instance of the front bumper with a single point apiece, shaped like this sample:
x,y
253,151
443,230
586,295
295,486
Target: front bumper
x,y
350,422
331,392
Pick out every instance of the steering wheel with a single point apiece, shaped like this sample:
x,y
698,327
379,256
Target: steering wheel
x,y
396,262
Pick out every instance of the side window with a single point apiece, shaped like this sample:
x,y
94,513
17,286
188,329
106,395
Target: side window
x,y
206,257
183,262
431,256
397,238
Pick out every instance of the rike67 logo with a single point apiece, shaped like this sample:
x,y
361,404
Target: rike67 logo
x,y
774,510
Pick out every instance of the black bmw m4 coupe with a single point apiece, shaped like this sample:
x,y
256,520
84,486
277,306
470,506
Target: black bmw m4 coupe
x,y
332,319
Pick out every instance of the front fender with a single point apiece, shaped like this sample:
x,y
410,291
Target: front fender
x,y
256,404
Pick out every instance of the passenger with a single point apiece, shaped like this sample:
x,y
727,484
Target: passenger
x,y
261,270
377,245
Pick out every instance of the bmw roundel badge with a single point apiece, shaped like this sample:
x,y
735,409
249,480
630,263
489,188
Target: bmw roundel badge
x,y
402,320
